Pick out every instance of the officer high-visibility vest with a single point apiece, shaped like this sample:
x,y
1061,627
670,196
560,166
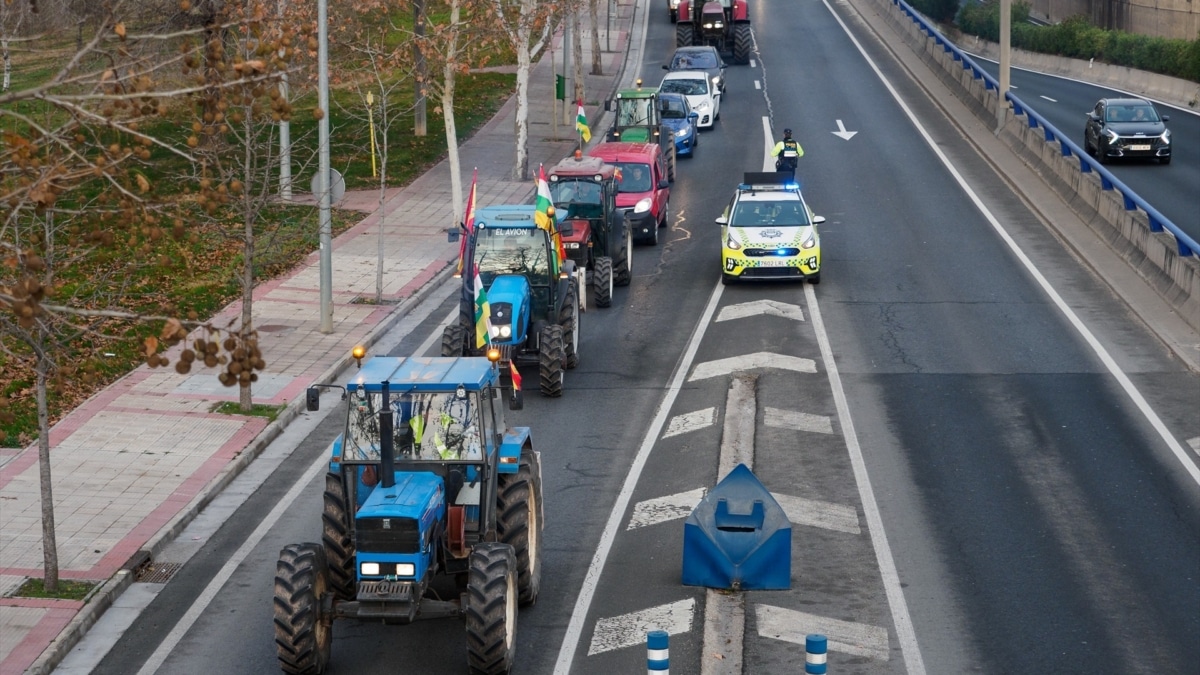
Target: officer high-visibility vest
x,y
791,149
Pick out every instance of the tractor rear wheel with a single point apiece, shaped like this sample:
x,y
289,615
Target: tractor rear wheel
x,y
519,522
568,318
491,611
454,340
672,155
623,260
684,34
335,538
602,279
303,638
743,41
551,355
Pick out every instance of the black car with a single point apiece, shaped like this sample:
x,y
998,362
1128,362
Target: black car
x,y
705,58
1127,127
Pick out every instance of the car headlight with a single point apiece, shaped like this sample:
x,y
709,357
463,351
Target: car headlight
x,y
702,107
642,206
369,569
503,331
1166,136
810,242
716,81
1112,135
732,243
684,132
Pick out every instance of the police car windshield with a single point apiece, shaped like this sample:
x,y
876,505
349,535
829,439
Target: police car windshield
x,y
501,250
763,213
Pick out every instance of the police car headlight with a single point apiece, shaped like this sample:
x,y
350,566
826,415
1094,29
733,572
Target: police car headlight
x,y
732,243
369,569
810,242
642,206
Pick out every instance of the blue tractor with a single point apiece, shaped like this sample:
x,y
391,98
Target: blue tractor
x,y
432,509
532,295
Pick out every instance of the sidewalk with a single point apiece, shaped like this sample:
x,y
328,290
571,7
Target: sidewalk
x,y
135,463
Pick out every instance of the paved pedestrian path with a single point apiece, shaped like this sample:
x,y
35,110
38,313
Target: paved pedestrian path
x,y
136,462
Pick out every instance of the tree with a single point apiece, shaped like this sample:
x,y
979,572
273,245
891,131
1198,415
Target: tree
x,y
518,21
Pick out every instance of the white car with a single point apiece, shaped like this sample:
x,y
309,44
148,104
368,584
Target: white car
x,y
704,98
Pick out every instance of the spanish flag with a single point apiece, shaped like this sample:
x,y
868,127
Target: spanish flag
x,y
581,123
545,218
516,377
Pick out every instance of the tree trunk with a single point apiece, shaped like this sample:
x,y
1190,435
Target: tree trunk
x,y
577,57
597,66
421,85
383,155
49,544
448,113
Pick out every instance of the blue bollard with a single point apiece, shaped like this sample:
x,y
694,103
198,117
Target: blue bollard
x,y
815,646
658,656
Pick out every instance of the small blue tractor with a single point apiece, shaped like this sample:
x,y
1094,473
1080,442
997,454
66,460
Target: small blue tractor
x,y
432,509
532,296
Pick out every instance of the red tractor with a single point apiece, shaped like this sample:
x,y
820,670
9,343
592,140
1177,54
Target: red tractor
x,y
724,24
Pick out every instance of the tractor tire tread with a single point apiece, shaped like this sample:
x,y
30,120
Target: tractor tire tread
x,y
301,645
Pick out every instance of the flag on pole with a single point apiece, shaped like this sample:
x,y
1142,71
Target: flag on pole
x,y
516,377
468,222
546,221
483,312
581,123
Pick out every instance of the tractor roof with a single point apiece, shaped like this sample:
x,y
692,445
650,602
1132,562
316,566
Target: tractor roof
x,y
406,374
640,92
507,216
580,166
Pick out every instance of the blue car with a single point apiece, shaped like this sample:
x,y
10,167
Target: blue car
x,y
677,114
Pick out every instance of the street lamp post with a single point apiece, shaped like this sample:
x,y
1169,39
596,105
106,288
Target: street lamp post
x,y
1005,60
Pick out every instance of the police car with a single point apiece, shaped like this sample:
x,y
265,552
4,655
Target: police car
x,y
769,232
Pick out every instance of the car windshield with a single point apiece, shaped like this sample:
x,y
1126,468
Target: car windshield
x,y
425,426
685,87
673,110
696,60
764,213
1132,113
500,250
635,177
577,198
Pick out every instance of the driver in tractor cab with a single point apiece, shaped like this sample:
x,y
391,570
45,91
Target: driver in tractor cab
x,y
634,113
786,153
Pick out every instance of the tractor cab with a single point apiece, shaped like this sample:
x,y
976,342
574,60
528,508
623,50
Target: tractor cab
x,y
639,120
584,192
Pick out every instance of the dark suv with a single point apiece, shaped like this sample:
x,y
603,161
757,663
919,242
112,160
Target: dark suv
x,y
1127,127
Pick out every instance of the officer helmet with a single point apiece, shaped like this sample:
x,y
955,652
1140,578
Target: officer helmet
x,y
787,133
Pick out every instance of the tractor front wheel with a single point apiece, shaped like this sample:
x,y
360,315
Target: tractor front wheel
x,y
568,318
491,611
623,262
519,522
303,638
551,355
335,537
743,42
684,34
602,280
454,340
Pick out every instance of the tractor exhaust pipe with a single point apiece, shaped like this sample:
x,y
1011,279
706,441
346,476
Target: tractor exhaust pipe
x,y
387,449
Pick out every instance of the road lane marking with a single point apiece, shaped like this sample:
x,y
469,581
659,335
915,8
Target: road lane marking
x,y
797,421
857,639
768,307
699,419
735,364
587,590
815,513
1049,99
665,509
630,629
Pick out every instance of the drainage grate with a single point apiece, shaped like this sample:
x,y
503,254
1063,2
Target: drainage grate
x,y
157,572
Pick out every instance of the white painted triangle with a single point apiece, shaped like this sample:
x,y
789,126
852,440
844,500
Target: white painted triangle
x,y
737,364
663,509
814,513
858,639
769,307
700,419
630,629
798,421
1195,443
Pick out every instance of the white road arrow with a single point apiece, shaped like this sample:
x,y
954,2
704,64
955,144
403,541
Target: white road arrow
x,y
842,133
630,629
757,307
859,639
749,361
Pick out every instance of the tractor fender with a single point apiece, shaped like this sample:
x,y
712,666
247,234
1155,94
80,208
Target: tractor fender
x,y
741,11
335,454
565,280
513,289
685,9
514,439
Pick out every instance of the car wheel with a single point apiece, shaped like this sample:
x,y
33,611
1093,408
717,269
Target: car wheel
x,y
1102,154
727,279
1164,160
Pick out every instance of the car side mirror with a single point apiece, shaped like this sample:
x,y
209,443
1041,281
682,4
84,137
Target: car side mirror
x,y
693,115
1166,118
452,234
817,220
664,184
666,67
722,220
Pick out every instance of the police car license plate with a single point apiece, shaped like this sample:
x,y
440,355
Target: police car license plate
x,y
773,262
1139,147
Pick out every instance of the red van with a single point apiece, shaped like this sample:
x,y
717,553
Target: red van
x,y
643,190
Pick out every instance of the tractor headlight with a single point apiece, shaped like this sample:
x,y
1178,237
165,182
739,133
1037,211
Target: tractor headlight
x,y
503,331
731,243
642,206
369,569
406,570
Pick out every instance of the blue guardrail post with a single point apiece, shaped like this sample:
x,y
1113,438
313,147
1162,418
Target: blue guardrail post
x,y
658,655
815,646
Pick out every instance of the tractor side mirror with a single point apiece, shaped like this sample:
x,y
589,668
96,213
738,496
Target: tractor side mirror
x,y
566,228
452,234
312,399
607,105
517,400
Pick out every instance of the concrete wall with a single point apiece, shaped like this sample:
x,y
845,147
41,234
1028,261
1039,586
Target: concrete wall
x,y
1153,254
1161,18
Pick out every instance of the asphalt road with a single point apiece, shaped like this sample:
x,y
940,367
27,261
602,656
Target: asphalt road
x,y
1032,517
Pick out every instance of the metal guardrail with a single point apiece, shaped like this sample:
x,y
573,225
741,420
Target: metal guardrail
x,y
1186,246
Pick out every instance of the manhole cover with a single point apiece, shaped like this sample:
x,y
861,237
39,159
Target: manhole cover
x,y
157,572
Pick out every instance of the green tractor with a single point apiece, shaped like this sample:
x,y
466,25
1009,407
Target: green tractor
x,y
432,509
639,120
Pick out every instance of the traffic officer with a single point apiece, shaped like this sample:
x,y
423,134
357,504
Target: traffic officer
x,y
787,152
